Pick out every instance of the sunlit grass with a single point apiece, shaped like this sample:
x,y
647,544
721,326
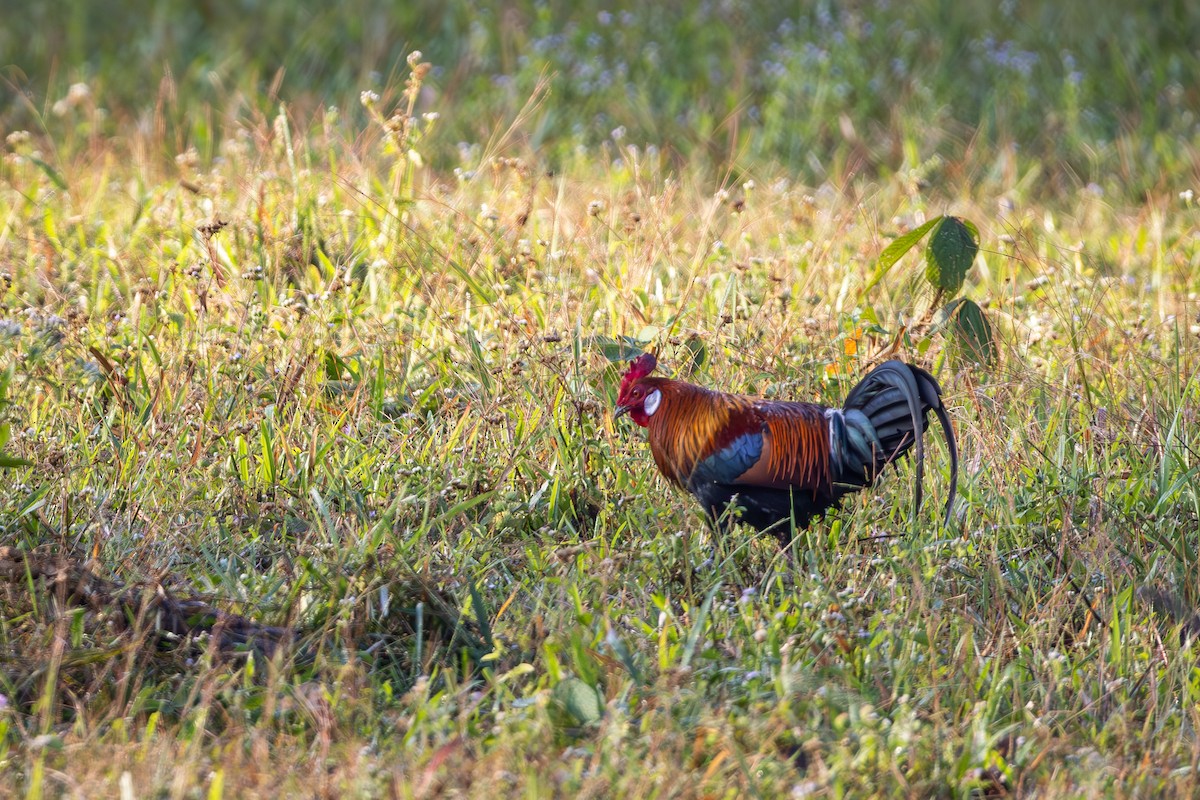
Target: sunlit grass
x,y
328,385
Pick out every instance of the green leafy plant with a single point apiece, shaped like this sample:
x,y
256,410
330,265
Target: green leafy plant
x,y
950,251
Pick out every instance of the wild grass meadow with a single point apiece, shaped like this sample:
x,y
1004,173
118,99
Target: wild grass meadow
x,y
311,321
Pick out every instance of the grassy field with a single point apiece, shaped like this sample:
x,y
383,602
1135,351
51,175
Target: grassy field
x,y
324,336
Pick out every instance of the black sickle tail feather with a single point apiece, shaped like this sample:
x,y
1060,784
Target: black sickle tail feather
x,y
883,418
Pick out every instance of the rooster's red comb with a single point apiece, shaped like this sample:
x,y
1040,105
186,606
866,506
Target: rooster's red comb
x,y
642,366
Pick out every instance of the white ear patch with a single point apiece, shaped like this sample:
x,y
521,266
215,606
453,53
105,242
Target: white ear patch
x,y
650,405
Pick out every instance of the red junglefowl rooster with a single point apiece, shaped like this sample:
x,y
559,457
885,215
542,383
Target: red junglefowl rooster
x,y
781,461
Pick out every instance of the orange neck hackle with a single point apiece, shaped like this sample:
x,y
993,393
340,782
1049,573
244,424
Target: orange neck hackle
x,y
690,424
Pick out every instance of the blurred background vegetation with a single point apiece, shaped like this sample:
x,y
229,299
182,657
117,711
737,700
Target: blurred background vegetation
x,y
1058,95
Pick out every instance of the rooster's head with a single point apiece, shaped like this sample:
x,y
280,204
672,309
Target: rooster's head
x,y
639,397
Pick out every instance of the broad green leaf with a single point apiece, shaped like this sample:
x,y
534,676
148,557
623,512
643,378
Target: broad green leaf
x,y
333,366
580,703
894,251
868,315
945,315
970,226
974,334
648,334
950,253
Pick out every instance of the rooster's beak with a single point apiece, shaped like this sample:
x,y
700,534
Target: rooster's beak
x,y
620,411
